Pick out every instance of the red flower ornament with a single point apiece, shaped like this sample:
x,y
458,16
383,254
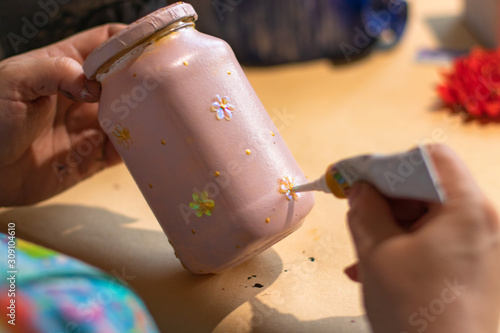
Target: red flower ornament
x,y
473,85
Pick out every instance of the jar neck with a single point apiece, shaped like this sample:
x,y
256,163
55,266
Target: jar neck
x,y
125,55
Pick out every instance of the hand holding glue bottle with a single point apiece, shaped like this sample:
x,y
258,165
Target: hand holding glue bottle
x,y
427,240
410,175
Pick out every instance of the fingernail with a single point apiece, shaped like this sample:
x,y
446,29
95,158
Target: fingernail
x,y
92,90
85,94
352,272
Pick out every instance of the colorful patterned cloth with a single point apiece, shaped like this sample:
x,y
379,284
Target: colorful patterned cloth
x,y
54,293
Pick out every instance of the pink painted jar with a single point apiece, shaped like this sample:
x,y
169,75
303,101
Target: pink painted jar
x,y
198,142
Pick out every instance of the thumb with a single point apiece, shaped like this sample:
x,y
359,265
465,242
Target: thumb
x,y
370,218
35,78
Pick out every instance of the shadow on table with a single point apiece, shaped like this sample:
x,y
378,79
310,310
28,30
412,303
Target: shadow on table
x,y
178,300
268,320
451,32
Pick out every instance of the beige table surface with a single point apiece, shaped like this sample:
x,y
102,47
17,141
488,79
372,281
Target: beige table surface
x,y
382,104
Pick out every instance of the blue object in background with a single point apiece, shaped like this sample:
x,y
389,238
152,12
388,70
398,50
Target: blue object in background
x,y
261,32
264,32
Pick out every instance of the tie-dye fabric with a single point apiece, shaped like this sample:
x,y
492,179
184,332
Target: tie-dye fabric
x,y
56,293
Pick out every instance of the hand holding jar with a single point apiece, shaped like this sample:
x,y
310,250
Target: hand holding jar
x,y
49,132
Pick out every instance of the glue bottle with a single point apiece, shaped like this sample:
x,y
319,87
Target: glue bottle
x,y
409,175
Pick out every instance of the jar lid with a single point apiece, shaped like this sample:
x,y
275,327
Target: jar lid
x,y
134,33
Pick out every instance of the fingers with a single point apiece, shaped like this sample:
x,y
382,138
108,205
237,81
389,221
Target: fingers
x,y
464,198
55,68
407,212
455,178
79,46
111,156
370,218
34,78
85,42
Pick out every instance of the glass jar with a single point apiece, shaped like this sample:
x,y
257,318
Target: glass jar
x,y
197,140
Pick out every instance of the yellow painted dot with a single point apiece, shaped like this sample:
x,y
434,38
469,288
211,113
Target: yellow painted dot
x,y
185,63
150,186
228,72
163,142
268,220
135,75
272,133
216,173
193,231
237,246
248,152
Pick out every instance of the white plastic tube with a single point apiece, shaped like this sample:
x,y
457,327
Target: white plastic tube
x,y
409,175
